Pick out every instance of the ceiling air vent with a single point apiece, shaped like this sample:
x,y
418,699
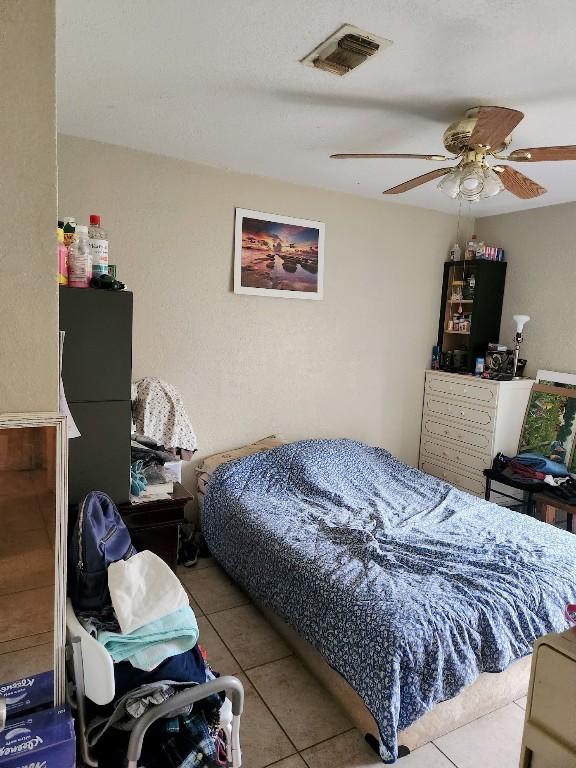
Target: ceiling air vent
x,y
345,50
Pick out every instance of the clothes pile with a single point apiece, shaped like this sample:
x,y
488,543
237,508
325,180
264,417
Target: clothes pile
x,y
540,472
136,607
159,414
163,434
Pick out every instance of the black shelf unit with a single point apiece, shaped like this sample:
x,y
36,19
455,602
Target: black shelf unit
x,y
485,308
97,378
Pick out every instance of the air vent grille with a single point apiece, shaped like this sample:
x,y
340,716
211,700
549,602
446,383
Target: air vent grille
x,y
345,50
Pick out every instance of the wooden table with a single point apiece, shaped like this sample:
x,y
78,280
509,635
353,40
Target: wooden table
x,y
547,506
154,525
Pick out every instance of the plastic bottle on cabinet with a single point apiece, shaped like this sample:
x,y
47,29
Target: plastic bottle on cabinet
x,y
471,248
80,259
98,241
455,252
69,229
62,258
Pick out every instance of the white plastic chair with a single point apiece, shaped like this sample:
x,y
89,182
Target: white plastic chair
x,y
93,678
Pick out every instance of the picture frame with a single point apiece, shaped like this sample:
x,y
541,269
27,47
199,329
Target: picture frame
x,y
556,379
549,426
278,256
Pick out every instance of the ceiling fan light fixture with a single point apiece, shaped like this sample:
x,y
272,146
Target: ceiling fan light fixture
x,y
471,183
492,183
450,184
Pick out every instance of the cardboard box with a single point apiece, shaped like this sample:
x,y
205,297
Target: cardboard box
x,y
44,739
28,694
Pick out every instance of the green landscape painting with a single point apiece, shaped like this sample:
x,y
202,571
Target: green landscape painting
x,y
550,424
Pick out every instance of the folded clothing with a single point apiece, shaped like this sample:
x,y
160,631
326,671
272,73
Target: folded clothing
x,y
187,667
144,589
542,464
150,645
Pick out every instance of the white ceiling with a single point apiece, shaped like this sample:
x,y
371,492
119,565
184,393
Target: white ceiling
x,y
219,82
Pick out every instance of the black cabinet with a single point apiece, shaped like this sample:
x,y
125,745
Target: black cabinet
x,y
97,373
470,311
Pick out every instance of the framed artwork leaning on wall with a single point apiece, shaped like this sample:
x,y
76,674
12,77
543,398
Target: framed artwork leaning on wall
x,y
278,256
550,423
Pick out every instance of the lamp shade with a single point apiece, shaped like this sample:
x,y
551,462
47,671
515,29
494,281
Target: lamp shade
x,y
520,321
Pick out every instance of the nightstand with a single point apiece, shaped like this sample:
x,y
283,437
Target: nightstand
x,y
154,525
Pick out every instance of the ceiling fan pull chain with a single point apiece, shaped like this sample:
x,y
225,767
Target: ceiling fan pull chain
x,y
458,224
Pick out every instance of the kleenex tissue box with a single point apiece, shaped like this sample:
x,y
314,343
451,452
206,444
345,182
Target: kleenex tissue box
x,y
44,739
28,694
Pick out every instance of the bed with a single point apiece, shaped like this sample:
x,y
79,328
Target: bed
x,y
408,588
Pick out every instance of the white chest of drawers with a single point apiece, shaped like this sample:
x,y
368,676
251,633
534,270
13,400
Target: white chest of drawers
x,y
466,421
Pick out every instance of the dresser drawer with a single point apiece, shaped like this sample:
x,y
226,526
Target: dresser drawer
x,y
435,450
481,441
468,388
476,415
473,483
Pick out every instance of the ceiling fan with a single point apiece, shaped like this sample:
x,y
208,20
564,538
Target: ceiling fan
x,y
482,132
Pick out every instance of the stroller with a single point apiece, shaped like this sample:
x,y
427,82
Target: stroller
x,y
100,539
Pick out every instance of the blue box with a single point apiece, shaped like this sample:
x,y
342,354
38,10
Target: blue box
x,y
44,739
28,694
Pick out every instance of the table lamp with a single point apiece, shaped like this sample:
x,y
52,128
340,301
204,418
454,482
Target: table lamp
x,y
520,321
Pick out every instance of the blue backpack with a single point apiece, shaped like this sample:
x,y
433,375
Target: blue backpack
x,y
99,538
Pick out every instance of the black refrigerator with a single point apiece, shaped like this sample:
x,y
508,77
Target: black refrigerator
x,y
97,376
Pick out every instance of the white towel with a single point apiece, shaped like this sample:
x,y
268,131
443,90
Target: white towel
x,y
144,589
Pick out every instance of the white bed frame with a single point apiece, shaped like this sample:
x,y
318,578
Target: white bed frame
x,y
486,694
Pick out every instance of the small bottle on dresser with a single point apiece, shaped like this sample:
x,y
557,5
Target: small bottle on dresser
x,y
98,241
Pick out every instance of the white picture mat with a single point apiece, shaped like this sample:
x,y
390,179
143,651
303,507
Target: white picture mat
x,y
241,214
556,376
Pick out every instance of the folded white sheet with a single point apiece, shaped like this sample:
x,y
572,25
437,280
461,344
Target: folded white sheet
x,y
144,589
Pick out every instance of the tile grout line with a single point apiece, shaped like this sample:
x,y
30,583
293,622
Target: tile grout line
x,y
464,726
246,670
271,661
443,753
473,721
325,741
255,688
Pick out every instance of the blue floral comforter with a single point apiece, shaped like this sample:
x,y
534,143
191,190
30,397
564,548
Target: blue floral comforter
x,y
408,587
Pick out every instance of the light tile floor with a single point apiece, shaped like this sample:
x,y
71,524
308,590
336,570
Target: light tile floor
x,y
291,721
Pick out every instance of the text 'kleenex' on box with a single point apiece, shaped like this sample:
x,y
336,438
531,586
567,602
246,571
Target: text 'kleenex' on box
x,y
45,739
28,694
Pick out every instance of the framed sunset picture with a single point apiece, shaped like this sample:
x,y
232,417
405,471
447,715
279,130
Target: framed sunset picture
x,y
278,256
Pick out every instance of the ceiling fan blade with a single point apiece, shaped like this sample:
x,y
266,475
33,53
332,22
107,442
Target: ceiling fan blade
x,y
517,183
406,185
493,125
379,156
538,154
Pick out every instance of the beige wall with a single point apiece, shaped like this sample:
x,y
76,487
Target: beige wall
x,y
28,264
541,251
350,365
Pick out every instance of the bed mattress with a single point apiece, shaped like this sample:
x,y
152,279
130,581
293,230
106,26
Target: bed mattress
x,y
408,587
